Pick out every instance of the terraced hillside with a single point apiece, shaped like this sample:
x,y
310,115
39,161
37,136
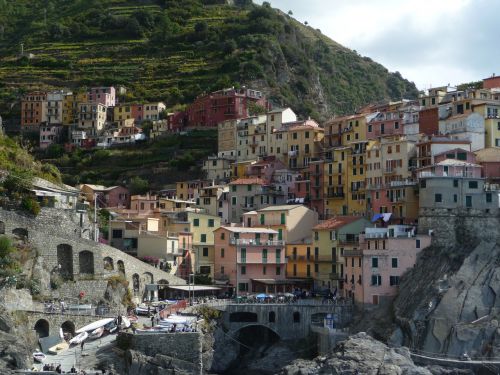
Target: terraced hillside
x,y
172,50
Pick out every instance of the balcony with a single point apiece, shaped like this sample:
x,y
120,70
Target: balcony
x,y
323,259
260,260
332,195
348,242
389,170
252,242
353,253
335,276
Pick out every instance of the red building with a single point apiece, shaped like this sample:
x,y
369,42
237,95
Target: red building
x,y
491,83
32,109
428,121
210,109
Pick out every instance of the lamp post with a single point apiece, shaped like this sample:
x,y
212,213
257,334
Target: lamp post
x,y
191,295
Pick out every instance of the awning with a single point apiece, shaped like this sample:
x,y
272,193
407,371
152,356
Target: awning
x,y
387,216
271,281
376,217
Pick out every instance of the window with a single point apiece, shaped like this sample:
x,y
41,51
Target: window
x,y
308,253
438,198
233,188
455,198
205,251
205,270
233,201
294,270
461,156
278,255
308,270
374,262
393,280
222,236
423,184
394,262
455,183
376,280
417,244
488,197
196,222
278,270
222,270
117,233
211,222
203,237
283,220
264,256
296,317
262,219
316,267
307,134
222,251
243,287
369,128
473,184
294,135
243,270
264,270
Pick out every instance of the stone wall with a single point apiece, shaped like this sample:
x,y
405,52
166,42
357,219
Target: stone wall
x,y
185,348
56,320
56,236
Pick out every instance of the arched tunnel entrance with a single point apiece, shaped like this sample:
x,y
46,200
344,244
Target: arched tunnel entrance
x,y
256,337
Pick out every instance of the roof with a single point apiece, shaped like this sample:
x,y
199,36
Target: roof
x,y
248,181
249,230
278,110
287,207
337,222
490,154
457,163
63,189
100,187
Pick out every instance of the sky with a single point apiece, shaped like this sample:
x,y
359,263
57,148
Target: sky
x,y
430,42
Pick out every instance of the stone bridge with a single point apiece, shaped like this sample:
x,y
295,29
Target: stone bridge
x,y
61,239
288,321
48,324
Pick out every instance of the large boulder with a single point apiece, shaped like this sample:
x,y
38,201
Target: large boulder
x,y
15,344
362,355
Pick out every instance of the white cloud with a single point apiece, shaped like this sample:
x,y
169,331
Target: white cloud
x,y
428,41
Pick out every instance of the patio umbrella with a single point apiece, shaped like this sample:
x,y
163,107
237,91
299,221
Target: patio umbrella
x,y
262,295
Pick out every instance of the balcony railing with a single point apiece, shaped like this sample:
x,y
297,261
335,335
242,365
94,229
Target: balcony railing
x,y
335,195
335,276
348,242
353,253
323,259
259,260
251,242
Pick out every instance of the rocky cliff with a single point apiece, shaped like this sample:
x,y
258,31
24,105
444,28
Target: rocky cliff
x,y
363,355
455,306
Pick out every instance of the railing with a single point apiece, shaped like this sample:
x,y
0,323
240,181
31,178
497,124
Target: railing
x,y
335,276
323,258
425,174
353,253
348,242
250,242
259,260
335,195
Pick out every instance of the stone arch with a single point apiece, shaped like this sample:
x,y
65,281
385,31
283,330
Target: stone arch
x,y
86,262
272,317
108,264
42,328
148,278
65,261
121,267
2,227
243,317
68,329
136,282
254,335
296,317
162,289
21,233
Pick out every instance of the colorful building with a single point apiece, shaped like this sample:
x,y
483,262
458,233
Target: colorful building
x,y
32,109
251,259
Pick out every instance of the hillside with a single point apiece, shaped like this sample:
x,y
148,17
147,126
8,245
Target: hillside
x,y
172,50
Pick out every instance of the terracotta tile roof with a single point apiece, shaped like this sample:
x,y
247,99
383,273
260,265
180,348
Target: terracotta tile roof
x,y
248,181
490,154
337,222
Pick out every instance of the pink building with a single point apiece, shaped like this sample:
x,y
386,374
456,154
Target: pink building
x,y
50,134
250,258
373,273
103,95
137,112
144,203
113,196
489,159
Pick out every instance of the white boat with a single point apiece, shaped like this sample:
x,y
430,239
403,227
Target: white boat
x,y
125,322
39,356
95,325
61,347
139,310
78,339
96,333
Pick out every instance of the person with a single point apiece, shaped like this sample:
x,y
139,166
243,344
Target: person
x,y
63,307
152,320
149,310
58,369
133,329
73,370
174,328
342,349
82,344
119,320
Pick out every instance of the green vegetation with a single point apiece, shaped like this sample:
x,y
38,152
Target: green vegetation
x,y
143,166
172,50
9,266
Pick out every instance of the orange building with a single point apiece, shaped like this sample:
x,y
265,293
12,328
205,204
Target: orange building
x,y
32,109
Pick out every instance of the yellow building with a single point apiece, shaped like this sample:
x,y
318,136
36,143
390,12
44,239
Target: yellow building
x,y
226,138
356,173
330,239
335,182
491,113
239,169
70,107
202,227
304,143
121,113
300,263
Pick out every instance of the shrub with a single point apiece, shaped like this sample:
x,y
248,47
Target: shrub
x,y
30,205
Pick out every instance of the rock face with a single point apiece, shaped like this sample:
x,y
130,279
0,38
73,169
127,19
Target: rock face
x,y
363,355
455,306
15,344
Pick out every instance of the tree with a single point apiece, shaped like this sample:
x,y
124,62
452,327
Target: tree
x,y
201,27
138,185
290,13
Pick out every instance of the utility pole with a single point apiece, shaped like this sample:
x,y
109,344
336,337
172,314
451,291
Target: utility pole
x,y
96,229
